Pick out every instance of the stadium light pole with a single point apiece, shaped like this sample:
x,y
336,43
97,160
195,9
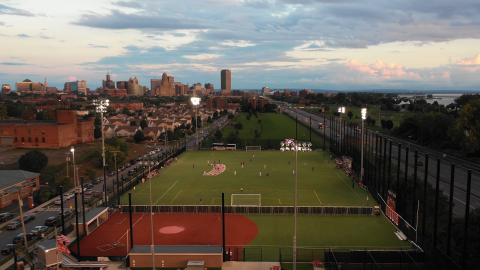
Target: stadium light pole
x,y
341,110
364,116
151,214
72,149
101,107
295,213
196,102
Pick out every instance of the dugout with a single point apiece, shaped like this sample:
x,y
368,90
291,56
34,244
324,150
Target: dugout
x,y
175,256
47,253
94,219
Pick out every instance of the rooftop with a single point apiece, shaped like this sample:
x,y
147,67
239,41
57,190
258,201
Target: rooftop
x,y
13,177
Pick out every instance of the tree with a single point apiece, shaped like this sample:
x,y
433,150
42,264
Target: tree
x,y
382,122
350,115
97,121
133,123
97,132
65,182
372,122
91,173
109,156
28,114
139,136
209,120
233,138
33,161
218,135
249,117
238,125
116,142
467,129
41,116
3,112
368,120
143,124
389,124
257,133
215,115
231,116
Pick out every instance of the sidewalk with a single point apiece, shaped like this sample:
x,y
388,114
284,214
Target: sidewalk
x,y
249,265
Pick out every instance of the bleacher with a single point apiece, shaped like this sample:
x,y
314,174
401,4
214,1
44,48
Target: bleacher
x,y
69,264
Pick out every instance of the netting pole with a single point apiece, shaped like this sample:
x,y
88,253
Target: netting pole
x,y
83,207
223,224
467,219
76,228
131,221
450,209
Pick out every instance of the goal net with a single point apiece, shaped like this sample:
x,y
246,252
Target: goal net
x,y
246,199
253,148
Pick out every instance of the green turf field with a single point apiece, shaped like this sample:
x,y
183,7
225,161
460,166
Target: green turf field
x,y
181,184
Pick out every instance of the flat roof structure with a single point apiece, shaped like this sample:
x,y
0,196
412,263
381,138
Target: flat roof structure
x,y
11,178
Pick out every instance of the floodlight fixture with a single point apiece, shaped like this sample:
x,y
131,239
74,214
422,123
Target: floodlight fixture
x,y
364,113
72,149
196,100
341,109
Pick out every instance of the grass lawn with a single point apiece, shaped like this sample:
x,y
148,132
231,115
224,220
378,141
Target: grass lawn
x,y
396,117
181,184
276,127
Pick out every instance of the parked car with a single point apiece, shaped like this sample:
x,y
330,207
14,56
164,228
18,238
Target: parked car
x,y
51,221
419,163
111,173
14,225
109,188
139,159
88,191
79,190
39,228
87,200
418,155
132,161
88,185
96,194
66,213
124,177
8,249
95,181
59,201
20,239
127,165
67,196
131,172
6,216
122,168
28,218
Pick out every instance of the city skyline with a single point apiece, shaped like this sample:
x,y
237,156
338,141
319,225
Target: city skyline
x,y
344,45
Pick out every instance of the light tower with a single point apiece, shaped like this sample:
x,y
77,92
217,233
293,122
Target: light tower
x,y
101,106
364,116
196,102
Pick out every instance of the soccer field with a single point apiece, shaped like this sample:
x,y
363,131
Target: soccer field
x,y
184,182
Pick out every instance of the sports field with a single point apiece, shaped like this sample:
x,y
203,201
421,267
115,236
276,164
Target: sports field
x,y
193,180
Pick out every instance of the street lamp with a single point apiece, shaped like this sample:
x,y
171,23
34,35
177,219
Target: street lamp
x,y
72,149
364,116
101,106
196,102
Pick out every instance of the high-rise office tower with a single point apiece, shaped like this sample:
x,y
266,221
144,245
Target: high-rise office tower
x,y
226,78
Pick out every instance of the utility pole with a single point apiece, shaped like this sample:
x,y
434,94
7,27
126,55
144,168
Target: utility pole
x,y
116,172
20,204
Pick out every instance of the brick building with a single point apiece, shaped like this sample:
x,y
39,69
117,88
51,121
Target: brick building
x,y
15,182
258,102
217,103
67,130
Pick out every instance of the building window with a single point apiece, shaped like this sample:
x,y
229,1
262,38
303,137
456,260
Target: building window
x,y
15,131
24,190
23,139
29,131
43,139
43,131
5,198
36,139
29,139
16,139
1,131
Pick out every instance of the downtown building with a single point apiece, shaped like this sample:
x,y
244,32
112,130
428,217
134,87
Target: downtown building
x,y
226,82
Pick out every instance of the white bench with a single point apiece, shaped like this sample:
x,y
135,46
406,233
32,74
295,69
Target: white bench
x,y
401,236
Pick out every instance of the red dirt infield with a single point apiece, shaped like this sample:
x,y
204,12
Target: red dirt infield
x,y
110,238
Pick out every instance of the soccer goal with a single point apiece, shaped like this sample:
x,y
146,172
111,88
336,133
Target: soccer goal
x,y
246,199
253,148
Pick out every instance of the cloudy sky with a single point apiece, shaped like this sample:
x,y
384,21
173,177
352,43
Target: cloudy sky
x,y
319,44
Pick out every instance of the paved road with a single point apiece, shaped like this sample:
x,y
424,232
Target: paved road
x,y
445,168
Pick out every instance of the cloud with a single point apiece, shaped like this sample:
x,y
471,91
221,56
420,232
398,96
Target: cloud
x,y
119,20
130,4
238,43
70,78
202,56
23,36
470,64
2,23
97,46
380,69
446,74
6,10
13,64
46,37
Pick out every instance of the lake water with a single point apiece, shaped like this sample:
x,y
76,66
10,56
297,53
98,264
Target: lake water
x,y
446,99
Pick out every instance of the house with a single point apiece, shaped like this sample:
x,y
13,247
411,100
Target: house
x,y
153,132
17,182
127,131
